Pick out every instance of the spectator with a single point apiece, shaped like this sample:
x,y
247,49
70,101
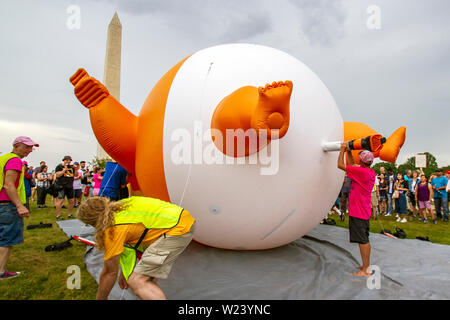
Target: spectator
x,y
345,190
32,184
53,188
390,178
383,187
64,186
374,198
84,181
77,187
114,178
97,180
407,175
439,184
424,194
401,186
447,175
12,200
35,172
28,175
412,185
43,184
359,211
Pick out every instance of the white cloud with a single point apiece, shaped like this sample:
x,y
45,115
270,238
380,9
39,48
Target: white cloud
x,y
54,142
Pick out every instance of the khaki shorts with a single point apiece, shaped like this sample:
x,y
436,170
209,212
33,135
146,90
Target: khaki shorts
x,y
374,201
158,258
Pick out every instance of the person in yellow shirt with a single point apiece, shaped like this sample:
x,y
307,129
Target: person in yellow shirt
x,y
128,227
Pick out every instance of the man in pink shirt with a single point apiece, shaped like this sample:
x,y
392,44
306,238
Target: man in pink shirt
x,y
12,200
359,202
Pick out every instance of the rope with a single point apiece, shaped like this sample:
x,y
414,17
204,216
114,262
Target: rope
x,y
200,112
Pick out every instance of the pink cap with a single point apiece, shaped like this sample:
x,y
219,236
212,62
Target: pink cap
x,y
25,140
366,157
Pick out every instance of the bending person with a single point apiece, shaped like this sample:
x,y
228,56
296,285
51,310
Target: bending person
x,y
124,228
359,201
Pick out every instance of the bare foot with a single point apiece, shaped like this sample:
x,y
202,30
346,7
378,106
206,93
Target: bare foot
x,y
361,274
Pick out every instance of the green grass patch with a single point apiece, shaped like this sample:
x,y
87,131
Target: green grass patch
x,y
44,274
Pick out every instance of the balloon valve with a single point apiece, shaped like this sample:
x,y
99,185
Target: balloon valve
x,y
331,146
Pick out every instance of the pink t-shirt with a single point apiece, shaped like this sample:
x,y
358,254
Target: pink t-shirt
x,y
12,164
97,181
359,199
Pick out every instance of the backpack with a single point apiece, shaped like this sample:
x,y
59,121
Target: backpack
x,y
400,233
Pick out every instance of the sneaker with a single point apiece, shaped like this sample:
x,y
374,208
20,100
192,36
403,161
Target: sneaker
x,y
403,220
59,218
397,216
398,219
387,215
434,221
70,216
8,275
445,219
425,220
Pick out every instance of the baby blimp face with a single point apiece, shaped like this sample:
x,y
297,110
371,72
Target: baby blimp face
x,y
236,203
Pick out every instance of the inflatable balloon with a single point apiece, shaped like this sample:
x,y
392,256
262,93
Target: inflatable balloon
x,y
264,193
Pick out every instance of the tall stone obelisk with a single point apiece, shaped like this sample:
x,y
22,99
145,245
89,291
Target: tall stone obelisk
x,y
111,75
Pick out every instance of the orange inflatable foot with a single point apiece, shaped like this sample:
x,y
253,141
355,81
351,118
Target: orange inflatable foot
x,y
272,111
261,109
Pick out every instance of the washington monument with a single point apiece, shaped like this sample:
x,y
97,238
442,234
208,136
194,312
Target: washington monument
x,y
111,75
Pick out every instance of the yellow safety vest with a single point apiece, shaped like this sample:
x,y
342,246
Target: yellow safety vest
x,y
153,214
21,188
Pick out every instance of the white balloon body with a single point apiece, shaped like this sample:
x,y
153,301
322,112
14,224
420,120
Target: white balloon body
x,y
253,205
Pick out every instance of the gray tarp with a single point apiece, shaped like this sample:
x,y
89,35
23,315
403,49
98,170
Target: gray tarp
x,y
316,266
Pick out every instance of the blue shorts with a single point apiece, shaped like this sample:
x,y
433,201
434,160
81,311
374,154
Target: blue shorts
x,y
11,226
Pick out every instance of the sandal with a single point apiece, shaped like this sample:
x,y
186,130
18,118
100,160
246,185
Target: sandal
x,y
59,218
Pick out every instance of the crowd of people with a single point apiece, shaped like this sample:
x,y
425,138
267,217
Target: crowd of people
x,y
72,181
125,226
410,193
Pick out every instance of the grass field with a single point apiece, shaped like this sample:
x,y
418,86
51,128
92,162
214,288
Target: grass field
x,y
44,274
436,233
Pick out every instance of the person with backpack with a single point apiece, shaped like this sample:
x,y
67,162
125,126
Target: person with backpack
x,y
359,204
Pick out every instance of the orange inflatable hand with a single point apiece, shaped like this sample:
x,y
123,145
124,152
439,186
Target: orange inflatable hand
x,y
89,91
77,76
391,148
